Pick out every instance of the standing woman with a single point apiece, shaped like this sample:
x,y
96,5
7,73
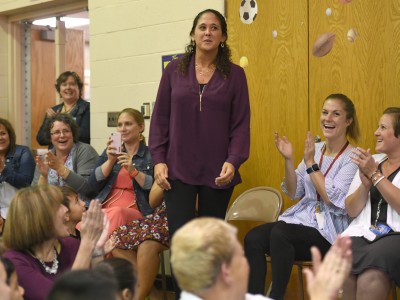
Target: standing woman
x,y
321,182
125,179
69,86
373,200
17,167
200,127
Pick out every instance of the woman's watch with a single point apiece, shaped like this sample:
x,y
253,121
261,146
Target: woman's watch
x,y
313,168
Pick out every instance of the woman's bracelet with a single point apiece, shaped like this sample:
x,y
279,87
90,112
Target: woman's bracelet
x,y
377,179
134,173
98,252
63,173
373,174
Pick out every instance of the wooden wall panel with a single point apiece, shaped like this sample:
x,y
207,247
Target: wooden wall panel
x,y
74,51
367,70
277,78
43,74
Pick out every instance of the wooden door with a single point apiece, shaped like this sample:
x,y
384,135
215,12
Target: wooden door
x,y
43,73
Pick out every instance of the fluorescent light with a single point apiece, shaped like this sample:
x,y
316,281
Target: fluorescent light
x,y
69,22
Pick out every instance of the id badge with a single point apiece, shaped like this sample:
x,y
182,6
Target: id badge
x,y
320,219
380,229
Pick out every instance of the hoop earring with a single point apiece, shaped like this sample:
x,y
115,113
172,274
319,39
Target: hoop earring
x,y
222,45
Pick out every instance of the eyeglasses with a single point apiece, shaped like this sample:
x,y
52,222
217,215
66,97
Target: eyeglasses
x,y
57,133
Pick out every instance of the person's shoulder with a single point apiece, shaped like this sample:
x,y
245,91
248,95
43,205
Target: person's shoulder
x,y
84,146
69,242
15,255
85,149
22,148
172,67
237,71
57,107
83,103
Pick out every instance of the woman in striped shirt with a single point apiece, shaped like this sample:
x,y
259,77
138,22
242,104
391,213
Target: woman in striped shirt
x,y
321,182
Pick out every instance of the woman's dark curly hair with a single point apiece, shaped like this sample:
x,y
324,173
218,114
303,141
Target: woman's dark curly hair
x,y
66,119
224,53
64,77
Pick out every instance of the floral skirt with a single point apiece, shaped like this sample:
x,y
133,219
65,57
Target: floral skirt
x,y
151,227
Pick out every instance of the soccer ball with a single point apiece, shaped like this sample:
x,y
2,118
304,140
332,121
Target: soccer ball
x,y
248,11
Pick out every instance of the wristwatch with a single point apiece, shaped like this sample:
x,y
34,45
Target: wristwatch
x,y
313,168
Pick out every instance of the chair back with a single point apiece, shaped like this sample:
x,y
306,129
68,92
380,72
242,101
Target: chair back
x,y
257,204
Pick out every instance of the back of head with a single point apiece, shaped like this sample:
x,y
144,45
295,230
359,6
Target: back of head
x,y
199,249
120,269
84,285
30,217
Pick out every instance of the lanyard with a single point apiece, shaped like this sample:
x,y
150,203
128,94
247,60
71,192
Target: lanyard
x,y
334,160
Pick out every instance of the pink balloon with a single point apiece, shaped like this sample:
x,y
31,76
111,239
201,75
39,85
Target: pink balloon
x,y
345,1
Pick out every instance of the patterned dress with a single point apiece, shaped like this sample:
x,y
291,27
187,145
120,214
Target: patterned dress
x,y
151,227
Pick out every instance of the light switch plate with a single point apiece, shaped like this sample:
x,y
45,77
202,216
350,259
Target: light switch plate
x,y
112,118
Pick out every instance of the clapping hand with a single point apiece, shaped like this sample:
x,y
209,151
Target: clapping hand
x,y
42,166
284,146
309,149
93,223
326,278
366,164
50,112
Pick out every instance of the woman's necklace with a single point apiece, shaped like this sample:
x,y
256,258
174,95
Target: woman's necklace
x,y
54,267
69,109
205,72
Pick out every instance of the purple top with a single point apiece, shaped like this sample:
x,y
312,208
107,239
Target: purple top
x,y
195,144
31,274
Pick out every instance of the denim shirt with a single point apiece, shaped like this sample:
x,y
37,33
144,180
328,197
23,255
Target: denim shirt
x,y
142,162
19,167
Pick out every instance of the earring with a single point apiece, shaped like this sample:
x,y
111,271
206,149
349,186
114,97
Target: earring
x,y
222,45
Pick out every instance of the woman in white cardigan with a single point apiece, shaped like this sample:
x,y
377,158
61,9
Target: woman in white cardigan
x,y
374,201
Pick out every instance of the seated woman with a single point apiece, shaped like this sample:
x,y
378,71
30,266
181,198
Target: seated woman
x,y
17,167
38,239
141,242
69,86
321,181
125,179
70,162
373,200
